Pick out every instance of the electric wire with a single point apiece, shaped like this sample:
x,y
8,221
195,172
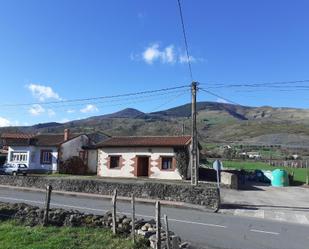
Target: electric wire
x,y
217,95
185,39
97,98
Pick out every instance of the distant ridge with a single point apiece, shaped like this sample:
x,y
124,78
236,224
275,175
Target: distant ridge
x,y
126,113
217,123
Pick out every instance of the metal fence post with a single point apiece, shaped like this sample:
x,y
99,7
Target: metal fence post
x,y
158,225
114,200
47,204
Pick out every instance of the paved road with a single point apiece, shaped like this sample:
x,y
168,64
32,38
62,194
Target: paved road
x,y
204,230
283,204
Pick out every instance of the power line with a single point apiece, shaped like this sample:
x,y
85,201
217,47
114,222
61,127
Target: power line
x,y
185,40
124,100
216,95
165,103
107,104
262,84
97,98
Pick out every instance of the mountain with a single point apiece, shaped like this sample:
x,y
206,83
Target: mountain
x,y
217,123
127,113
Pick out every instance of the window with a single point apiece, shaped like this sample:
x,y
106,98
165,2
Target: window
x,y
167,163
22,166
46,157
18,157
114,162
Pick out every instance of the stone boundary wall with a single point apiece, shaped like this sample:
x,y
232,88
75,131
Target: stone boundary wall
x,y
205,194
30,215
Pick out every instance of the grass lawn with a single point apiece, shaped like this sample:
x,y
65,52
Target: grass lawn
x,y
15,236
299,174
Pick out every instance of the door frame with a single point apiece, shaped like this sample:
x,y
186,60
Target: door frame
x,y
137,165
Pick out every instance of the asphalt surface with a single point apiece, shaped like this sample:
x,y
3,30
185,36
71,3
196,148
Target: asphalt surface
x,y
202,229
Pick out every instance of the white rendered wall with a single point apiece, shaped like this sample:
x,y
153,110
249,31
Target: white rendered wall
x,y
34,156
92,161
73,147
128,155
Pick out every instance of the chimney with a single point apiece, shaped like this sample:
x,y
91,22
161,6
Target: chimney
x,y
66,134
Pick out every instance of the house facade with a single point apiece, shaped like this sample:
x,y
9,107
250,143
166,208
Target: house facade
x,y
44,152
151,156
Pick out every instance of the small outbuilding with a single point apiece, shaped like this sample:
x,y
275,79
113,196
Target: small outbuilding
x,y
161,157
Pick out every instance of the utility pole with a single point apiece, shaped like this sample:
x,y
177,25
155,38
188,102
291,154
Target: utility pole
x,y
183,128
194,151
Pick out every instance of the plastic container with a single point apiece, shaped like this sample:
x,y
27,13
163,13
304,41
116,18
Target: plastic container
x,y
280,178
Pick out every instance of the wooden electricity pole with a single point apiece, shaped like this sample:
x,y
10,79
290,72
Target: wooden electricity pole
x,y
194,151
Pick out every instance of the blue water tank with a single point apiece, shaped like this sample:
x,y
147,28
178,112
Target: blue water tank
x,y
280,178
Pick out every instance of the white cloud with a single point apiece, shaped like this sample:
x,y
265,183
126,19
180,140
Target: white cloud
x,y
64,120
4,122
167,55
36,110
43,93
219,100
70,111
184,58
51,112
154,53
89,108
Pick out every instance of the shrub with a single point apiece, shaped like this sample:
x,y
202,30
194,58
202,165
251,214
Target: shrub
x,y
182,162
74,165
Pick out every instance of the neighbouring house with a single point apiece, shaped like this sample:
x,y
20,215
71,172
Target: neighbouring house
x,y
45,152
3,155
254,155
147,156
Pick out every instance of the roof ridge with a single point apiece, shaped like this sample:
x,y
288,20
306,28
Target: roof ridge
x,y
151,136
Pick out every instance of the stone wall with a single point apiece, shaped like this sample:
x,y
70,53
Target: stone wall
x,y
205,194
30,215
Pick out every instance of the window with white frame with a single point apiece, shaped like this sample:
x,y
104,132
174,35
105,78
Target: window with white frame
x,y
19,157
46,157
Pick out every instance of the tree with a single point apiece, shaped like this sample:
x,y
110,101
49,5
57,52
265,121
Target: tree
x,y
74,165
182,162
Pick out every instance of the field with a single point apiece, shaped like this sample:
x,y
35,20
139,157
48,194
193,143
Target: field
x,y
299,174
15,236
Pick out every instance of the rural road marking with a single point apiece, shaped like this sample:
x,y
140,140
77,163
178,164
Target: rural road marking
x,y
104,210
262,231
197,223
302,219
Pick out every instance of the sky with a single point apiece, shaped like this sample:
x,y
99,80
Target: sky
x,y
59,50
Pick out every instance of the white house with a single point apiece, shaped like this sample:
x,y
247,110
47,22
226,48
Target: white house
x,y
44,152
150,156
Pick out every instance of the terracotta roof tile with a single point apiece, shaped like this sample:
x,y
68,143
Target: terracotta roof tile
x,y
160,141
17,135
37,140
49,139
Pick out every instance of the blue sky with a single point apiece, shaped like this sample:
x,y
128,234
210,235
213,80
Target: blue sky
x,y
67,49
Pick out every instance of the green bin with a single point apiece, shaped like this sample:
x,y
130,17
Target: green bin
x,y
280,178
